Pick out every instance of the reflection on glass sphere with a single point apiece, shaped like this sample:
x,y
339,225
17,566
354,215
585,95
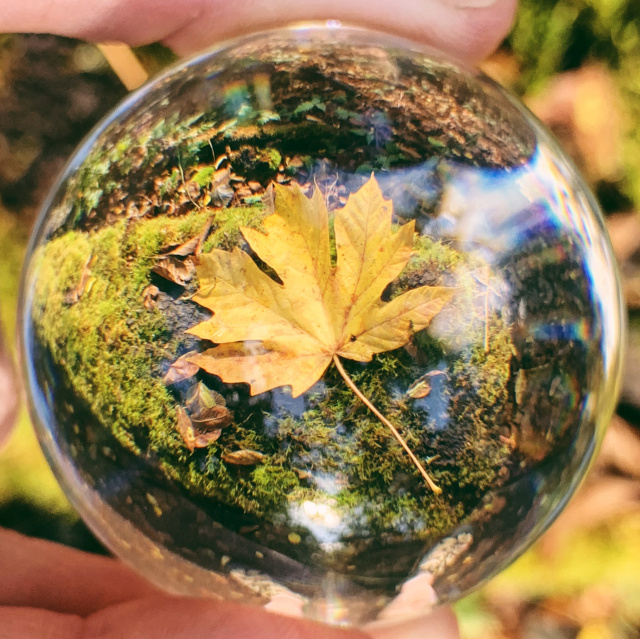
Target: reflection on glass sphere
x,y
324,322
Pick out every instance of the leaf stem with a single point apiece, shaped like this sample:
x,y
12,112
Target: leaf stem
x,y
387,423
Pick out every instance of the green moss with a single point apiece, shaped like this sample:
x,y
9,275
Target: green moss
x,y
110,347
107,342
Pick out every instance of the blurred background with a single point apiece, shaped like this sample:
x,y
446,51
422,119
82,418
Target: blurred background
x,y
576,64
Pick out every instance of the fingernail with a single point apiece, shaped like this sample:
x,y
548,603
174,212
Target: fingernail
x,y
287,604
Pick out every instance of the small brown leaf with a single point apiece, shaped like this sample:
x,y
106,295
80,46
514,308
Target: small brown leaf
x,y
199,398
243,458
422,386
583,108
181,369
202,440
621,448
185,427
175,270
203,236
190,247
149,296
244,191
221,190
269,198
191,437
296,162
212,418
182,250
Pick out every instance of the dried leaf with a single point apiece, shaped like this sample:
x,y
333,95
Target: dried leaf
x,y
268,198
212,418
182,250
181,369
221,191
274,335
422,386
192,438
243,458
190,247
199,398
149,296
185,427
621,448
203,236
624,232
583,108
176,271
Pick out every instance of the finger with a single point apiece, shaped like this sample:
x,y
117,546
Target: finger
x,y
8,394
31,623
466,32
165,618
468,29
173,618
40,574
440,624
181,618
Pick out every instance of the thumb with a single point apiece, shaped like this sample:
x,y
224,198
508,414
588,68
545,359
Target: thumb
x,y
185,618
181,618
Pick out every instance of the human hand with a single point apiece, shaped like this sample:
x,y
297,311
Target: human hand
x,y
467,29
49,591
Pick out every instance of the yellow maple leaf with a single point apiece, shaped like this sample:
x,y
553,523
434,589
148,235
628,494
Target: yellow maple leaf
x,y
273,334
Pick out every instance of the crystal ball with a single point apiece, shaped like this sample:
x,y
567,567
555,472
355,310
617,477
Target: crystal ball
x,y
321,321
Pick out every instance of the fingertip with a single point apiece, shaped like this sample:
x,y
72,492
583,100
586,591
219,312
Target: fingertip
x,y
484,27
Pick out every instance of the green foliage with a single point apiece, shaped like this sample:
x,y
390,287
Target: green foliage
x,y
314,103
13,239
553,36
203,176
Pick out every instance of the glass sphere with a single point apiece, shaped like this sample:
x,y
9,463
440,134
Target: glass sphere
x,y
322,321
